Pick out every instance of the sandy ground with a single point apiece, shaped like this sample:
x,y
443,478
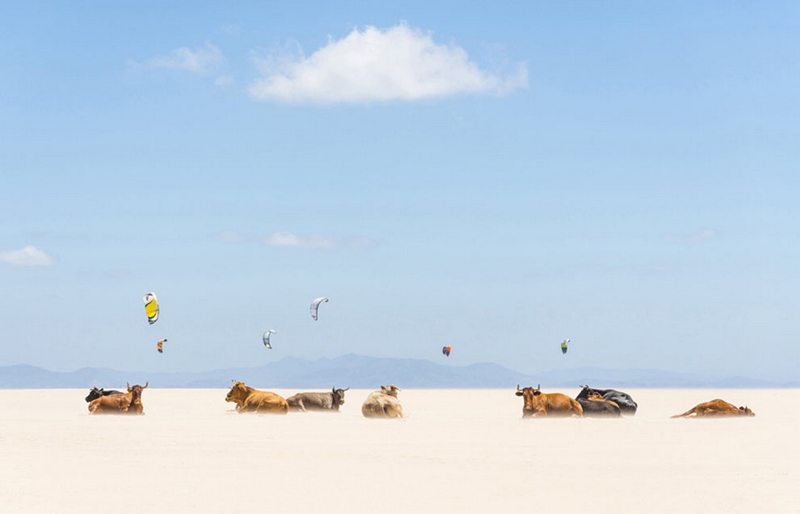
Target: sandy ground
x,y
456,451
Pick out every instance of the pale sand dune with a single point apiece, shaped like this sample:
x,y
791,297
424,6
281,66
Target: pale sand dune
x,y
457,451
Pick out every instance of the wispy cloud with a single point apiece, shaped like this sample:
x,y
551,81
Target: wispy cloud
x,y
202,60
398,63
700,237
283,239
223,81
229,236
29,256
230,30
318,241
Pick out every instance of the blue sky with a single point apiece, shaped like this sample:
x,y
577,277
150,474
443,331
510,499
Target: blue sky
x,y
499,179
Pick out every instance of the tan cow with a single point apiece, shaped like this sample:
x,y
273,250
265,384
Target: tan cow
x,y
539,404
124,403
383,403
248,399
715,408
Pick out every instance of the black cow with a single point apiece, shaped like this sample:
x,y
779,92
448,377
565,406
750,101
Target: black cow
x,y
96,393
623,400
317,401
596,407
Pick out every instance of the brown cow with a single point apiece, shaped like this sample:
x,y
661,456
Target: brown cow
x,y
248,399
129,403
538,404
715,408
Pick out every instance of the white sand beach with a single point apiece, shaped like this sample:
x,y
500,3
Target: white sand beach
x,y
456,451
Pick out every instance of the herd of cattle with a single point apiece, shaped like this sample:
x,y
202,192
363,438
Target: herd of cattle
x,y
384,403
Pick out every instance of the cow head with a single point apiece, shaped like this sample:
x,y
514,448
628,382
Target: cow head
x,y
136,394
529,395
391,390
745,411
238,392
584,394
338,397
533,392
94,394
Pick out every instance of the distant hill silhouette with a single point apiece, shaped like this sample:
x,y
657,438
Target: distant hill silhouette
x,y
360,371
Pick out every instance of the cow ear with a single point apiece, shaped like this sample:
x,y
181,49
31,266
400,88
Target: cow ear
x,y
518,393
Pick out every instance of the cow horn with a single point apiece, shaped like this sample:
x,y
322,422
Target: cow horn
x,y
127,385
346,389
538,386
517,387
146,384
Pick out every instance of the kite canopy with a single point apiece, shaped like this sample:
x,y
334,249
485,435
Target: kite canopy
x,y
315,306
151,307
160,345
564,345
266,338
446,350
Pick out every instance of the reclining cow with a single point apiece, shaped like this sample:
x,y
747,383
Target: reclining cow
x,y
304,402
596,407
248,399
383,404
539,404
96,393
623,400
715,408
129,403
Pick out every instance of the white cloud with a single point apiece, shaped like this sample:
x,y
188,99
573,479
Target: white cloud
x,y
230,30
29,256
398,63
201,60
229,236
700,237
223,81
318,241
283,239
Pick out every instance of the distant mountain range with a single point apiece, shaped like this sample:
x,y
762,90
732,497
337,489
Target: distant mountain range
x,y
363,372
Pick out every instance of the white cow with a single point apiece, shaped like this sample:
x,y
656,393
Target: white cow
x,y
383,404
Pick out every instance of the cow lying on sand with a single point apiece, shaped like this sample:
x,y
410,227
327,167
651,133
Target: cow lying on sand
x,y
539,404
596,407
317,401
248,399
383,404
96,393
129,403
715,408
623,400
